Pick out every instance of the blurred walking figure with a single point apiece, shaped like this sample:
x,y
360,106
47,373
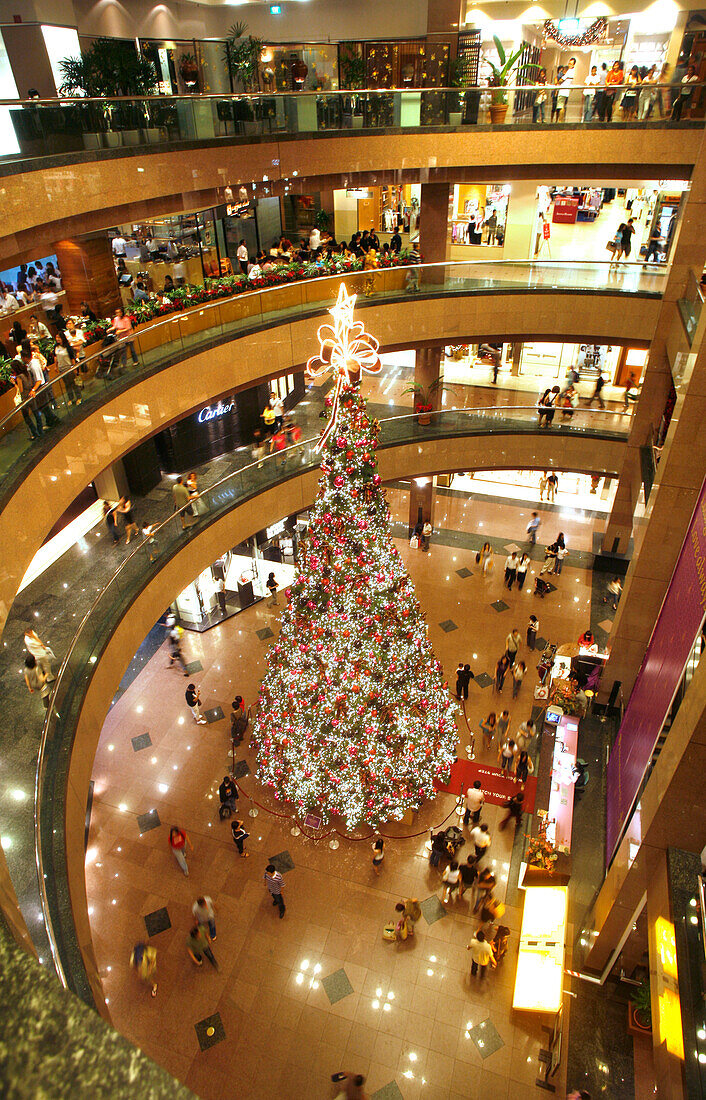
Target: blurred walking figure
x,y
198,944
41,651
175,654
205,913
143,960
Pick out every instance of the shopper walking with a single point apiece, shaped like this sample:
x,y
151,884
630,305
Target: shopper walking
x,y
482,887
522,567
519,670
474,799
500,672
178,841
175,654
110,521
542,485
36,680
228,795
181,502
532,528
515,810
463,679
42,653
532,628
274,883
124,509
549,559
561,553
596,395
198,945
487,728
205,913
614,589
481,840
481,955
143,960
523,766
240,835
485,558
524,735
511,563
469,874
451,878
552,486
507,754
502,725
193,702
512,644
271,585
378,847
351,1085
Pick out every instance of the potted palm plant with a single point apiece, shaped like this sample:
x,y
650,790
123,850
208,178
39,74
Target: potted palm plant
x,y
499,80
640,1010
189,71
424,399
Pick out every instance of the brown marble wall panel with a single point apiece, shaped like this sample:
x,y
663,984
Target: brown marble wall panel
x,y
81,195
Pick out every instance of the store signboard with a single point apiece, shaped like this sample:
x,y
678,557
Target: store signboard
x,y
213,412
677,626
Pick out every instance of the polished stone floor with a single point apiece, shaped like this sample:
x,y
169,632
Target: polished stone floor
x,y
298,999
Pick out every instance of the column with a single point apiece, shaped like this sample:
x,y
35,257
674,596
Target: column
x,y
111,483
88,274
520,230
434,229
427,370
668,1066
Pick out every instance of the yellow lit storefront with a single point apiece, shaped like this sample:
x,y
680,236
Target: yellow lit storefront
x,y
540,963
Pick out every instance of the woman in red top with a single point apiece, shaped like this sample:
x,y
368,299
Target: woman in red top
x,y
177,842
612,82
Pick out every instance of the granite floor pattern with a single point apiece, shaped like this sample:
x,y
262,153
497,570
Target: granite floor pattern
x,y
410,1020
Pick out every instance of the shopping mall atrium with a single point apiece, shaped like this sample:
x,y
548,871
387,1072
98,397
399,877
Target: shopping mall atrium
x,y
352,375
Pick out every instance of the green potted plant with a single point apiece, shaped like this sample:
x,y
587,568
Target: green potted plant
x,y
499,80
111,67
424,399
640,1009
352,66
242,56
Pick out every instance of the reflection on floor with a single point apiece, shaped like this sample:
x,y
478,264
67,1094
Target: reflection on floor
x,y
300,998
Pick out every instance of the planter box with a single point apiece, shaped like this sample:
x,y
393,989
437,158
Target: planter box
x,y
635,1025
131,137
111,139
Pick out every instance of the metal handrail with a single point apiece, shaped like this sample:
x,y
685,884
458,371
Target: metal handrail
x,y
54,100
432,288
274,456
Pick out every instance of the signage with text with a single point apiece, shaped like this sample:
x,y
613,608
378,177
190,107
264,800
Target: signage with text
x,y
213,412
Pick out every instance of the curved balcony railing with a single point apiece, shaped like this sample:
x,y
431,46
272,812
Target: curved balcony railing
x,y
153,347
49,127
134,574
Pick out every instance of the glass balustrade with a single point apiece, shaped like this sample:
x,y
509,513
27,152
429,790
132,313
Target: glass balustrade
x,y
50,127
70,396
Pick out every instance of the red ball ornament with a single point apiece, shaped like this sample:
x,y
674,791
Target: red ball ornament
x,y
376,479
338,481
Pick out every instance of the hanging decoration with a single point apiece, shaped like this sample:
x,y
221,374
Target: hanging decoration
x,y
595,32
346,350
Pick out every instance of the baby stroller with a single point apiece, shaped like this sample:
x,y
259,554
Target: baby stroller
x,y
444,845
109,357
541,587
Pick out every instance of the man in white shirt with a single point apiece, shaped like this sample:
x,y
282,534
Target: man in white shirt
x,y
278,409
45,397
205,913
480,836
511,563
8,303
481,954
524,735
592,82
119,246
242,257
474,800
565,89
48,300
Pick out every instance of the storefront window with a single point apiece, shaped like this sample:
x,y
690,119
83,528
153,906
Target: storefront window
x,y
299,67
479,213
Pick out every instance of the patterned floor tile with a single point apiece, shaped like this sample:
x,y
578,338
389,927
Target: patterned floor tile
x,y
337,986
142,741
193,666
148,821
157,922
606,625
432,909
214,714
388,1092
210,1031
512,548
463,573
448,625
483,680
487,1038
283,862
499,606
264,634
241,769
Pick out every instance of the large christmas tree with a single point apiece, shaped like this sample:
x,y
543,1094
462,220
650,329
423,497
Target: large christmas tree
x,y
354,715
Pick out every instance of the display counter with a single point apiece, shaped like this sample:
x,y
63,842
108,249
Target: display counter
x,y
540,962
561,797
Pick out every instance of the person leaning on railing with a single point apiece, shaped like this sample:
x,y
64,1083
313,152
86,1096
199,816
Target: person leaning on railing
x,y
613,81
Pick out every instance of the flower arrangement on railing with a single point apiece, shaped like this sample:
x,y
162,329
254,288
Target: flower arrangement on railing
x,y
540,852
228,286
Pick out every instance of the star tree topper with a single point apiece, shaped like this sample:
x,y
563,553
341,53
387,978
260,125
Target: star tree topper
x,y
346,350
